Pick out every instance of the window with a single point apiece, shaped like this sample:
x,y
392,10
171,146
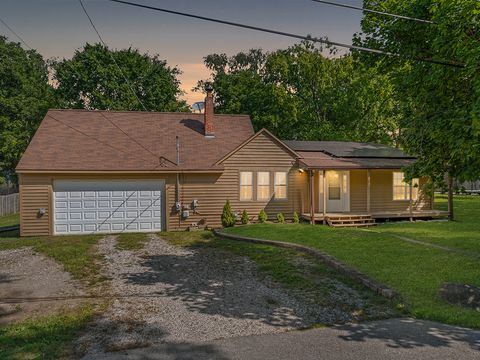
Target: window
x,y
401,189
246,185
334,186
263,185
280,185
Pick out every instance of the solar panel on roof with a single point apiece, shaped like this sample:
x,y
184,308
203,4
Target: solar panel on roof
x,y
348,149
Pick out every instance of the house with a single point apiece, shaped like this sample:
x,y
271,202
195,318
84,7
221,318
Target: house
x,y
107,171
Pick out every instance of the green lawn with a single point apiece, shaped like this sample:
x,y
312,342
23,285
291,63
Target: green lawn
x,y
131,241
295,271
44,338
9,220
416,271
463,233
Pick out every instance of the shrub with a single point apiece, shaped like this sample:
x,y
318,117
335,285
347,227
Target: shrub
x,y
296,219
262,216
228,219
244,217
280,218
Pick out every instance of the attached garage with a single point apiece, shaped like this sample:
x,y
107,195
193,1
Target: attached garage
x,y
108,206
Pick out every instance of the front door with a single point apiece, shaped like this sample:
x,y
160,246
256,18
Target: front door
x,y
337,191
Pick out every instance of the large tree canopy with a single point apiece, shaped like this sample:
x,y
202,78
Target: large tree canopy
x,y
25,96
299,94
91,80
441,104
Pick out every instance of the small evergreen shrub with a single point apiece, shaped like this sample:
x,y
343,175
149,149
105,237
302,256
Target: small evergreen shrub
x,y
281,218
296,219
262,217
228,220
244,219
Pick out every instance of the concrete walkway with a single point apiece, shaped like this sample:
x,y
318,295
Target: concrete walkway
x,y
387,339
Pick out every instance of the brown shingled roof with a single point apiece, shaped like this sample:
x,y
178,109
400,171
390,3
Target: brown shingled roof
x,y
81,140
320,160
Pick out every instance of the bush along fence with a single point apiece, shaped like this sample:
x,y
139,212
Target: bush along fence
x,y
9,204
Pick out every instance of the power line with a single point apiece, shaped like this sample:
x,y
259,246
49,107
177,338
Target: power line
x,y
374,11
99,141
112,57
14,33
111,122
130,137
291,35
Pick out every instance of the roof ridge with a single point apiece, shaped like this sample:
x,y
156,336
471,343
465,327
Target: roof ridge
x,y
147,112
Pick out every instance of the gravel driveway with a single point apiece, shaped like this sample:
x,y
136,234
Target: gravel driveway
x,y
168,294
32,284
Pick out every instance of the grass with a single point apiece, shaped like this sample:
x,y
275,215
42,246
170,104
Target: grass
x,y
416,271
131,241
295,271
44,338
9,220
76,253
462,234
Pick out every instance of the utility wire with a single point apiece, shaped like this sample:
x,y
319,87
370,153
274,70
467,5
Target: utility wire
x,y
130,137
373,11
113,59
99,141
291,35
14,33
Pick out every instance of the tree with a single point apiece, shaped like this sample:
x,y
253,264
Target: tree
x,y
262,216
25,97
91,80
245,220
440,104
228,220
297,93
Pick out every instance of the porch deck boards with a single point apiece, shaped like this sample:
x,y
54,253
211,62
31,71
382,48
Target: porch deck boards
x,y
437,214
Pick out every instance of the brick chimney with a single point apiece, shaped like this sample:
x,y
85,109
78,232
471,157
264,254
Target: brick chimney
x,y
208,113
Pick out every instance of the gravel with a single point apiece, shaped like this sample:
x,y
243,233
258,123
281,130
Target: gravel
x,y
168,294
32,284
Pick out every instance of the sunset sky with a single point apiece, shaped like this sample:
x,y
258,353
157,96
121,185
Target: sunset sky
x,y
57,27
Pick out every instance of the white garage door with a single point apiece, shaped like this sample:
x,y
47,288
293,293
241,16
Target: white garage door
x,y
108,206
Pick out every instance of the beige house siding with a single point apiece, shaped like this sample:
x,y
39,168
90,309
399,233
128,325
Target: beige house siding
x,y
32,198
382,194
212,191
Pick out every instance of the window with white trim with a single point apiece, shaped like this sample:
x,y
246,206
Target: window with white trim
x,y
401,189
246,185
263,185
280,185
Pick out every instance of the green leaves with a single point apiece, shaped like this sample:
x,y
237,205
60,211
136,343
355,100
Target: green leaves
x,y
25,96
299,94
91,80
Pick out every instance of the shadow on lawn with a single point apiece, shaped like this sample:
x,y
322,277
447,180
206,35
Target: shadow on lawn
x,y
409,333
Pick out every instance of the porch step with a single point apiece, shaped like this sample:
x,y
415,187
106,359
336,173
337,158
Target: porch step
x,y
350,221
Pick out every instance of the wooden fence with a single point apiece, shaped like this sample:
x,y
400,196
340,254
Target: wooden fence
x,y
9,204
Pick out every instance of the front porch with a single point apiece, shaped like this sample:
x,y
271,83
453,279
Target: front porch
x,y
359,197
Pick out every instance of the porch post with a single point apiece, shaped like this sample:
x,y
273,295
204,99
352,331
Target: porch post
x,y
411,201
324,197
368,190
312,201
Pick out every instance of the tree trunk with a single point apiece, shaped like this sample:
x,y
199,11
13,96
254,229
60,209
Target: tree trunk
x,y
450,198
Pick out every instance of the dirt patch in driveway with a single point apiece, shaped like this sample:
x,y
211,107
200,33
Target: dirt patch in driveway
x,y
169,294
33,285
